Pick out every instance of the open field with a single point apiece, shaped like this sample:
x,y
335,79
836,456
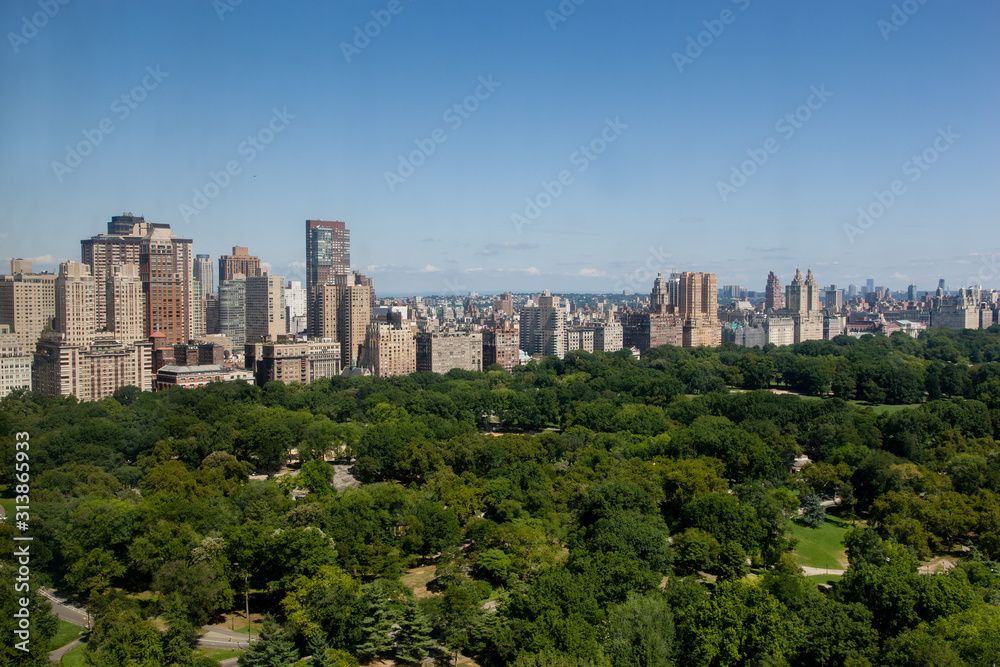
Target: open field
x,y
821,547
66,633
74,658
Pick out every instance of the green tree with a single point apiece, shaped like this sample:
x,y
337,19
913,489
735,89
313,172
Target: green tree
x,y
813,512
741,624
413,638
641,633
122,638
272,648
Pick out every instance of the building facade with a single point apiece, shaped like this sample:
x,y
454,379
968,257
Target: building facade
x,y
441,351
265,307
241,262
501,347
543,327
166,267
328,254
27,302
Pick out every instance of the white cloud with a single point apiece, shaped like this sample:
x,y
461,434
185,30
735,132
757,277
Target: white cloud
x,y
430,268
593,273
532,270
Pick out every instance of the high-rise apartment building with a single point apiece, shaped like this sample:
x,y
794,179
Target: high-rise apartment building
x,y
265,307
241,262
288,362
75,304
166,267
91,373
126,304
121,245
204,273
233,310
504,305
441,351
328,253
295,307
354,312
501,347
698,309
15,363
389,349
773,299
834,299
543,327
911,293
27,302
802,305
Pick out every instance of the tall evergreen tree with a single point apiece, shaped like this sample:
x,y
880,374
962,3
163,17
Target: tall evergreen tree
x,y
413,639
272,648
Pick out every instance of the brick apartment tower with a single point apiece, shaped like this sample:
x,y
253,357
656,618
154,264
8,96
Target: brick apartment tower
x,y
240,262
121,245
699,309
328,253
166,266
773,298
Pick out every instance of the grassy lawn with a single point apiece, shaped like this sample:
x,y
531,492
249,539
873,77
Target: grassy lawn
x,y
74,658
821,547
829,579
219,654
884,409
66,633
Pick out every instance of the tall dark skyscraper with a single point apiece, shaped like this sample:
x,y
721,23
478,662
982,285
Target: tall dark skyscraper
x,y
204,274
328,253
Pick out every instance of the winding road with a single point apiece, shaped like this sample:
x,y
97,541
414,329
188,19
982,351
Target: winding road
x,y
214,637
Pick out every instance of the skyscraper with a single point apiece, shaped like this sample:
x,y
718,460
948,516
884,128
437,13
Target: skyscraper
x,y
773,299
543,327
240,262
166,267
75,299
126,304
698,308
121,245
27,302
233,310
354,312
265,309
328,253
204,274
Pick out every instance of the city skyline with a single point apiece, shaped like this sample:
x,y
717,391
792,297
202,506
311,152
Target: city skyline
x,y
610,144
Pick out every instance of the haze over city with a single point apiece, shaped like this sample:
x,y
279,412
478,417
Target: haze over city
x,y
575,146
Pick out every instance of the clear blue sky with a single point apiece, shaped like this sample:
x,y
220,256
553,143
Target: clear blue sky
x,y
651,199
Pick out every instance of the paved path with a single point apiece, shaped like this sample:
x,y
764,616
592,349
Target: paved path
x,y
809,571
56,656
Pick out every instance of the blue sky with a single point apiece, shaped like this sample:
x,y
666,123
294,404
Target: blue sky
x,y
673,128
